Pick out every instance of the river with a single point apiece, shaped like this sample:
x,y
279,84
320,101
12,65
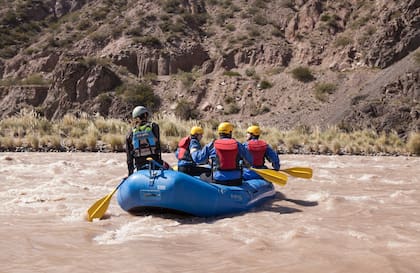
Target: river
x,y
357,214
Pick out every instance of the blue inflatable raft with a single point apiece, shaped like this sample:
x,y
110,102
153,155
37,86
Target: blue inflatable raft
x,y
177,191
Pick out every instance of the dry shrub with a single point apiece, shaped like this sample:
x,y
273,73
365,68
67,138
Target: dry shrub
x,y
115,141
336,147
413,143
33,131
80,144
169,144
69,120
170,125
43,140
33,141
348,149
18,142
76,132
91,141
112,126
292,142
7,142
54,142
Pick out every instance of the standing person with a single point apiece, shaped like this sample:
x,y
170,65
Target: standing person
x,y
142,141
189,153
226,155
260,151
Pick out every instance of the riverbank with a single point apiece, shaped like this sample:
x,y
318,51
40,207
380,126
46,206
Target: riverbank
x,y
28,132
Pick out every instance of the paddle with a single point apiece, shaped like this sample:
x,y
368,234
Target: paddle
x,y
272,176
98,209
165,165
302,172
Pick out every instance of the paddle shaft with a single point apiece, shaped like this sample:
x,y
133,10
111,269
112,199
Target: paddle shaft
x,y
272,176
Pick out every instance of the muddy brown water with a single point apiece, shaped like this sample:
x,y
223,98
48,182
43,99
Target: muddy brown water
x,y
357,214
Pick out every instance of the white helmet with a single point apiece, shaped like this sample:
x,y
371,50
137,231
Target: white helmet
x,y
139,110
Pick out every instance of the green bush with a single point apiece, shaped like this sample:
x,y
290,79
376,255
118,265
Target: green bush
x,y
173,6
265,84
417,57
99,37
230,27
187,78
250,72
325,17
35,79
302,74
232,108
83,25
150,41
231,73
342,41
185,110
322,89
134,31
139,94
195,19
277,33
105,99
260,19
229,99
264,109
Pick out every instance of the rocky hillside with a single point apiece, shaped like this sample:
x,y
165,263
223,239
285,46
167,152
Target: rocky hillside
x,y
283,63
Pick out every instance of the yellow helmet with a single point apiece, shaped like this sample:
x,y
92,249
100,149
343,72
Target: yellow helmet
x,y
196,130
225,128
254,130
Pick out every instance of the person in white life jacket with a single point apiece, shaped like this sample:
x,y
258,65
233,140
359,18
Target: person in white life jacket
x,y
227,156
260,151
190,153
142,141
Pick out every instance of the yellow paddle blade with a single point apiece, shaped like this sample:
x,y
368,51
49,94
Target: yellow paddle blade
x,y
302,172
98,209
175,167
272,176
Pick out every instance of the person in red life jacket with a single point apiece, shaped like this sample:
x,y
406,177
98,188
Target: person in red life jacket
x,y
227,156
189,153
142,141
260,151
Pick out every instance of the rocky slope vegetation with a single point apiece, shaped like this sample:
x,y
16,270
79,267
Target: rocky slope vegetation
x,y
285,63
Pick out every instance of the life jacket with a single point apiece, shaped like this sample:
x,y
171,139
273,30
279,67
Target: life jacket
x,y
257,149
227,154
144,141
184,149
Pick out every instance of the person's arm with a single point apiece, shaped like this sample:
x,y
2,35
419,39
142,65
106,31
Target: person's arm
x,y
200,155
245,154
129,152
156,132
273,157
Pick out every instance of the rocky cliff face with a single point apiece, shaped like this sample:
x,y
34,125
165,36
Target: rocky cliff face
x,y
216,55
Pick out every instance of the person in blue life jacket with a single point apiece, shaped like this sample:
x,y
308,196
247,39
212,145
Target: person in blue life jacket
x,y
189,153
260,151
142,141
227,156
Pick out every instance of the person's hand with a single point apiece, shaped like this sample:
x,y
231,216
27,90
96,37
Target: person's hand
x,y
210,146
166,165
